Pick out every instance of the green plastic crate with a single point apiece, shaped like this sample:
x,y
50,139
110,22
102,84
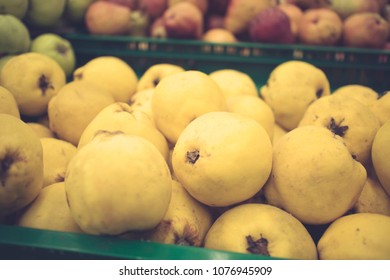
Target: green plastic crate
x,y
28,243
342,65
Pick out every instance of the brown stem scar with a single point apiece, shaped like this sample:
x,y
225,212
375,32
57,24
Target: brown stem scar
x,y
258,247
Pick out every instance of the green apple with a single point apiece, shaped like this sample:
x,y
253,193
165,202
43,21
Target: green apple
x,y
75,10
14,35
56,47
45,14
17,8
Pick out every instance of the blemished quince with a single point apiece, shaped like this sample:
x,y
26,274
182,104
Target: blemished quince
x,y
33,79
314,177
361,236
21,164
349,119
186,221
291,87
118,183
74,107
222,158
261,229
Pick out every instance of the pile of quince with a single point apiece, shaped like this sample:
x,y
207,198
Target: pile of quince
x,y
288,169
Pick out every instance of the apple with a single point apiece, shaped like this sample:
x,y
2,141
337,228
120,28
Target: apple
x,y
131,4
271,25
17,8
107,18
320,26
294,13
346,8
14,34
183,20
75,10
56,47
45,14
153,8
365,30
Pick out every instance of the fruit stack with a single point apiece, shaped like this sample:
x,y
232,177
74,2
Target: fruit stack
x,y
350,23
189,158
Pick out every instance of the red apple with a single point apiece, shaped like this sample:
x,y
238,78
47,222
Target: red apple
x,y
183,20
271,25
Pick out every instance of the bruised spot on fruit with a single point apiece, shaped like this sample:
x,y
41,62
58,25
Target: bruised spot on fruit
x,y
62,49
67,199
337,129
44,84
192,157
59,178
258,247
78,76
5,164
107,132
319,92
156,81
188,238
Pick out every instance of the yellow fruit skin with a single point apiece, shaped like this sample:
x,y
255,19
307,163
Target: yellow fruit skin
x,y
373,199
186,221
363,94
8,103
49,211
21,164
380,155
74,107
152,76
120,116
360,123
56,157
381,107
286,236
118,183
253,107
41,130
362,236
33,79
234,82
142,101
314,177
213,162
179,98
111,74
291,87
